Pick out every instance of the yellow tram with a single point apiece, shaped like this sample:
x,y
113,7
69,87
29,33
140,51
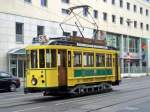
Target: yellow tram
x,y
70,69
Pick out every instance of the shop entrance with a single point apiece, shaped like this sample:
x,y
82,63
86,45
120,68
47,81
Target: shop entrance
x,y
16,62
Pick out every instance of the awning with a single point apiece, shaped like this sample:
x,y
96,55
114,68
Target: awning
x,y
17,51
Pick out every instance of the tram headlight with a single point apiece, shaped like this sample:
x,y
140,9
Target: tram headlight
x,y
34,81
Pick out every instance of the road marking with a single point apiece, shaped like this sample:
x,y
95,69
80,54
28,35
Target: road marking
x,y
28,109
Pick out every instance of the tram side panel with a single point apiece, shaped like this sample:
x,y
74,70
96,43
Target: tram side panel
x,y
89,75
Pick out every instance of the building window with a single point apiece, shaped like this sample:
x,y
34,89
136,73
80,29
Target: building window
x,y
65,11
141,10
40,30
19,32
85,11
65,1
104,16
147,12
113,2
44,3
66,34
121,3
128,22
141,25
147,27
135,24
113,18
134,8
74,33
28,1
95,13
121,20
128,6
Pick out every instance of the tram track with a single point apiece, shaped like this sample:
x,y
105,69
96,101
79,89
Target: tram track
x,y
56,100
118,103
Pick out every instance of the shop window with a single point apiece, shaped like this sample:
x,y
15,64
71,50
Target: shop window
x,y
33,59
100,60
108,60
77,59
133,45
88,59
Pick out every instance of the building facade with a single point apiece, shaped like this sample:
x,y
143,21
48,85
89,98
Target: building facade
x,y
124,24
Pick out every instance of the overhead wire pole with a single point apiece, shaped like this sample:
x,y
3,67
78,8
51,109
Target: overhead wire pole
x,y
64,21
77,22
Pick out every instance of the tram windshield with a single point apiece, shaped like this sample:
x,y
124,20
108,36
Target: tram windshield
x,y
46,59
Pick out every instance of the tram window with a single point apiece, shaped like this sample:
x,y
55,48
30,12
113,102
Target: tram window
x,y
77,59
100,60
108,60
69,58
42,58
27,59
33,59
53,58
48,58
88,59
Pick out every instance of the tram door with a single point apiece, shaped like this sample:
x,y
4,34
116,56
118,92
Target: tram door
x,y
116,68
62,67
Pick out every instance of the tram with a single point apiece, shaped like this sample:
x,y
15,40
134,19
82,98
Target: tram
x,y
63,67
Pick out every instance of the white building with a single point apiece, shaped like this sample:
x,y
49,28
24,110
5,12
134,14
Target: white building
x,y
124,23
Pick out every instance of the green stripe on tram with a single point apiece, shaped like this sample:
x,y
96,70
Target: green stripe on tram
x,y
87,72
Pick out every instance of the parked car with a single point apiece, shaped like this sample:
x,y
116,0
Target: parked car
x,y
8,82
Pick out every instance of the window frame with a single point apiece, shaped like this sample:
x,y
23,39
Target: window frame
x,y
98,56
79,53
19,31
88,58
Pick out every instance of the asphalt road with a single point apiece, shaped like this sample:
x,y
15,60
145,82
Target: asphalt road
x,y
133,95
